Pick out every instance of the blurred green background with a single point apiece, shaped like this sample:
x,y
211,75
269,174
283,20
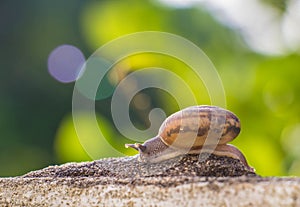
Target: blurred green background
x,y
256,54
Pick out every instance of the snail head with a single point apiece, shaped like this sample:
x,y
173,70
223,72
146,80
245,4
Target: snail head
x,y
153,150
144,152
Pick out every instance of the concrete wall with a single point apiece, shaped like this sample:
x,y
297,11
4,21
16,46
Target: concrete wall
x,y
125,182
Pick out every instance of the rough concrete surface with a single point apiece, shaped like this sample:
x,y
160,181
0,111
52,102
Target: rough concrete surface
x,y
183,181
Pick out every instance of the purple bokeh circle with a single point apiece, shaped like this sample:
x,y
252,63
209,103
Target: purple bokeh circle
x,y
65,63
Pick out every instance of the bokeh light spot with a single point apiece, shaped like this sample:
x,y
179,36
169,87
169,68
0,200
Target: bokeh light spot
x,y
278,95
142,101
65,63
291,141
94,75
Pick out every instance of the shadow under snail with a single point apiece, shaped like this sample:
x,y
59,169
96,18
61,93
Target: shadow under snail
x,y
193,130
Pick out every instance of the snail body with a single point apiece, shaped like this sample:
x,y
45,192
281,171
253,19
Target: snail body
x,y
193,130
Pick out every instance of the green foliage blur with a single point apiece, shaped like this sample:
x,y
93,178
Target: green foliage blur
x,y
36,110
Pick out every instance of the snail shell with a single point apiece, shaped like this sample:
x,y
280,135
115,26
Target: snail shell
x,y
193,130
193,126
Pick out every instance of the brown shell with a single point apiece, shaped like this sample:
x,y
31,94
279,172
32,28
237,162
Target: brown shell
x,y
196,125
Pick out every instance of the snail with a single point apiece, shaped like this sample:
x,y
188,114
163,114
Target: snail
x,y
193,130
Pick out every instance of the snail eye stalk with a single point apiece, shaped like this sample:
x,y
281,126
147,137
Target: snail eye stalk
x,y
136,146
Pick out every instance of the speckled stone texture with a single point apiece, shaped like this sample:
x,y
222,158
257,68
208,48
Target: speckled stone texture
x,y
131,168
183,181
